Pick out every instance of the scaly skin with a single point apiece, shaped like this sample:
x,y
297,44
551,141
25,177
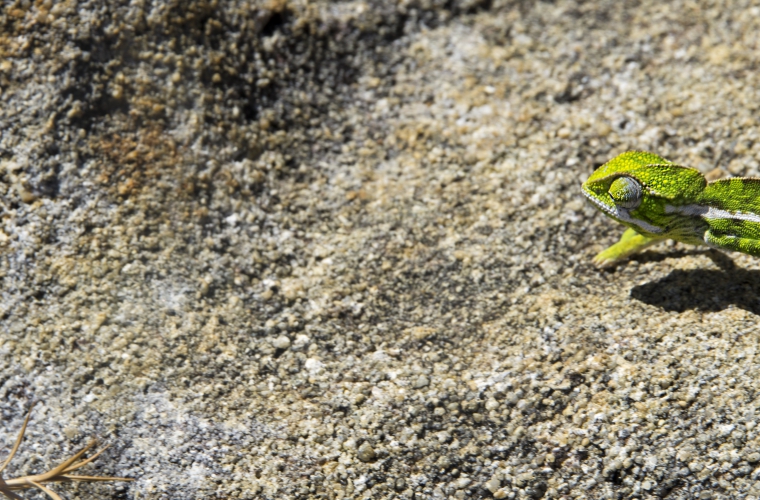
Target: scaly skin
x,y
660,200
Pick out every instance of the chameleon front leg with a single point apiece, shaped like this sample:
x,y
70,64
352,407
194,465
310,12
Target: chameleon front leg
x,y
730,242
630,243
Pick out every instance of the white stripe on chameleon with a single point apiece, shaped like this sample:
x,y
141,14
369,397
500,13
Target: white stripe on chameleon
x,y
624,215
711,213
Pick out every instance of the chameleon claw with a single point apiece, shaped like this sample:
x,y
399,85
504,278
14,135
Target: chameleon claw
x,y
602,261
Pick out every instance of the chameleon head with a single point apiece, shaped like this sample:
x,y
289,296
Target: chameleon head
x,y
636,187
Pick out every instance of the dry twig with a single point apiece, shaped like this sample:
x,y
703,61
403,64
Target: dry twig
x,y
62,473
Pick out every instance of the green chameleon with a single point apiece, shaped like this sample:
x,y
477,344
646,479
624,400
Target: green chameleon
x,y
658,199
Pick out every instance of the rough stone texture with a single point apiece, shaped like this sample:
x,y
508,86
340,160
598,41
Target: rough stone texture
x,y
338,250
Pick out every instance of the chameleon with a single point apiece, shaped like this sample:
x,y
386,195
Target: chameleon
x,y
658,199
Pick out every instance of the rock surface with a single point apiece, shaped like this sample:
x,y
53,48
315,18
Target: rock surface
x,y
338,250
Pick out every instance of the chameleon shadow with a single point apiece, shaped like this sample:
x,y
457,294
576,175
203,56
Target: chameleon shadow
x,y
704,289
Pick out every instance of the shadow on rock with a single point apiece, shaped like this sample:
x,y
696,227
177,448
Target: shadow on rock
x,y
704,289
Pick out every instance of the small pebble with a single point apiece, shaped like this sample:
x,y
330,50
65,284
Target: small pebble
x,y
420,382
365,453
281,342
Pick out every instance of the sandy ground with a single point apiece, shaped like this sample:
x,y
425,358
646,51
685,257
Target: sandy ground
x,y
339,250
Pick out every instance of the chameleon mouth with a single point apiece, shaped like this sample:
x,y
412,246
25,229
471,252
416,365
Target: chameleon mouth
x,y
598,204
623,216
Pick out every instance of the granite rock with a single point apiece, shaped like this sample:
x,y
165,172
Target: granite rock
x,y
293,249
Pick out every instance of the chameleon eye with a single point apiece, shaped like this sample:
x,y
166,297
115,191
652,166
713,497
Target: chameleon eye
x,y
626,192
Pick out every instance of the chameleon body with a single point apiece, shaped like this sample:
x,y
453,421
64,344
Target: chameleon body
x,y
659,200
